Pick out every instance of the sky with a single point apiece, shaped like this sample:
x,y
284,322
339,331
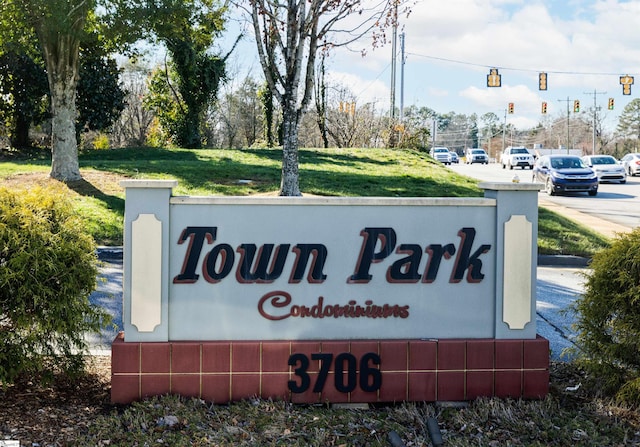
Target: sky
x,y
584,46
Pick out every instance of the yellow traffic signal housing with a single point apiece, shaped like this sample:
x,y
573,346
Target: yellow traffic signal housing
x,y
544,107
610,103
542,81
576,106
510,107
493,78
626,82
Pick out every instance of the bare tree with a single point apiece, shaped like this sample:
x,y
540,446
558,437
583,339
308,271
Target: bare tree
x,y
135,121
289,35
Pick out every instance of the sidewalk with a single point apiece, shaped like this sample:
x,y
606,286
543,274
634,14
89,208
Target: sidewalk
x,y
605,227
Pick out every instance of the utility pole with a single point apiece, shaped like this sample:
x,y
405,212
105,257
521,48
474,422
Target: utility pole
x,y
595,114
401,78
504,128
392,111
568,115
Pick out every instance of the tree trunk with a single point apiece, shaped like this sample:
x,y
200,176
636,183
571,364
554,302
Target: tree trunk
x,y
64,149
20,134
289,185
61,50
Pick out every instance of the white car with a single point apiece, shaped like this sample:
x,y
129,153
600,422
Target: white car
x,y
476,155
631,163
441,154
607,168
516,156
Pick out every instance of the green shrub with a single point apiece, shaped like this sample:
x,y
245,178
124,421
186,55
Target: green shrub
x,y
48,268
101,141
608,319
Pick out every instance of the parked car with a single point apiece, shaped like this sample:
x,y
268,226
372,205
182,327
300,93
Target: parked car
x,y
565,173
607,168
631,163
454,157
516,156
442,154
476,155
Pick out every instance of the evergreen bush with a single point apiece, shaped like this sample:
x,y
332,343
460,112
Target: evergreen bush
x,y
608,319
48,268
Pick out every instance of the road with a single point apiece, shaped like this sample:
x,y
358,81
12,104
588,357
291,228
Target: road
x,y
616,203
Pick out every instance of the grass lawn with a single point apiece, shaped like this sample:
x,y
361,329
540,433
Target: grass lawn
x,y
324,172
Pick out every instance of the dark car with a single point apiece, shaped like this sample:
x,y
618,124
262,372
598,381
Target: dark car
x,y
565,173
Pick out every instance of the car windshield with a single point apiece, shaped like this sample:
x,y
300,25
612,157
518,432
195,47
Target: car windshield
x,y
440,150
603,160
520,150
477,151
566,163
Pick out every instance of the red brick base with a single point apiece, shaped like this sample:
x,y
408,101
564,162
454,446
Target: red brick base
x,y
408,370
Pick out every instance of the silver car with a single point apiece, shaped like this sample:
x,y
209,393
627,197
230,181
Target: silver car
x,y
631,163
441,154
607,168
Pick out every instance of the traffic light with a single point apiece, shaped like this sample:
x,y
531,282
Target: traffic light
x,y
542,81
610,103
493,78
576,106
626,82
544,107
510,108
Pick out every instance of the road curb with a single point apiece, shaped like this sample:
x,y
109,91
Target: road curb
x,y
109,253
563,261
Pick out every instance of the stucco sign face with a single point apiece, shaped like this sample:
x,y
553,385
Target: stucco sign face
x,y
318,271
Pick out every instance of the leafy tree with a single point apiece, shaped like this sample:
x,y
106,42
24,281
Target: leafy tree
x,y
457,131
161,100
320,94
473,132
100,98
60,28
629,123
288,36
23,99
188,30
266,99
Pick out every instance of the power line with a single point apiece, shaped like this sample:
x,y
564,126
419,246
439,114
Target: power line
x,y
528,70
